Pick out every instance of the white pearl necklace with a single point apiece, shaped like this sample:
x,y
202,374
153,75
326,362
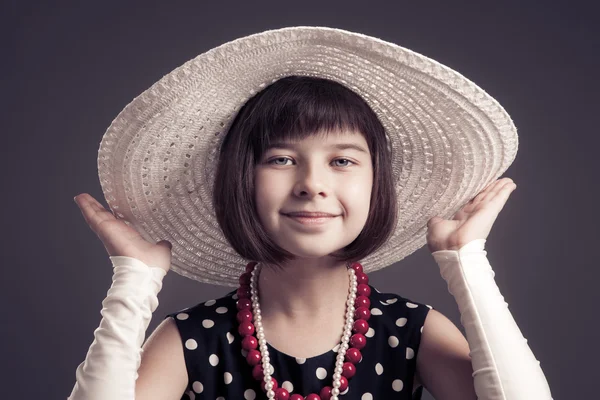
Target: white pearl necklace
x,y
262,342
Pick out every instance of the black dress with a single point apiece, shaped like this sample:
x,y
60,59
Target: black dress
x,y
217,369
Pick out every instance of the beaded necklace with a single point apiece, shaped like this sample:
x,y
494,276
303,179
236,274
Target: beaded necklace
x,y
250,321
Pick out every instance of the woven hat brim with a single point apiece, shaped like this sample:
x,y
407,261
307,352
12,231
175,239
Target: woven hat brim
x,y
157,160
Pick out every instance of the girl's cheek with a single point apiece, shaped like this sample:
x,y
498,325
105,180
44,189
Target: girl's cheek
x,y
359,185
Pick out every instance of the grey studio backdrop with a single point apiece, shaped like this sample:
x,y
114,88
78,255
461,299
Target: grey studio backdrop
x,y
70,67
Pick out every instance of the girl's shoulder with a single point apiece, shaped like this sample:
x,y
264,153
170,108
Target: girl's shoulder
x,y
210,316
386,299
397,311
207,331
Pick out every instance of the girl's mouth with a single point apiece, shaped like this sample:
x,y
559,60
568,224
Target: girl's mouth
x,y
311,220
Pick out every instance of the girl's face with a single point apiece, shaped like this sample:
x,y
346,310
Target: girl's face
x,y
330,174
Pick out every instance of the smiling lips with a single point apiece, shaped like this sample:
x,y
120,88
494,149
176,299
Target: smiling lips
x,y
310,214
311,218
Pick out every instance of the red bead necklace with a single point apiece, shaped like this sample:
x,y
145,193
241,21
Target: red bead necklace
x,y
249,318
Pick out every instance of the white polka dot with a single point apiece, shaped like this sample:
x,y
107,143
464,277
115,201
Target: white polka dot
x,y
208,323
393,341
244,353
228,378
191,344
213,360
401,322
287,385
235,296
379,369
220,398
230,337
345,391
384,303
428,306
336,348
392,300
300,360
221,310
198,387
191,395
249,394
411,305
377,290
376,311
367,396
410,353
182,316
210,303
370,332
421,329
321,373
397,385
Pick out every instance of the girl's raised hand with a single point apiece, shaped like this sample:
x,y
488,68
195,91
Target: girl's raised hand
x,y
473,221
120,239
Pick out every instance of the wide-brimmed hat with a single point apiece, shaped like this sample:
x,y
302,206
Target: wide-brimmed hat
x,y
157,160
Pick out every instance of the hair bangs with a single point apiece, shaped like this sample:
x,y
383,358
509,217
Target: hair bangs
x,y
298,107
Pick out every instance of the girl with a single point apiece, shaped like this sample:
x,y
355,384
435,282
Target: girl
x,y
305,188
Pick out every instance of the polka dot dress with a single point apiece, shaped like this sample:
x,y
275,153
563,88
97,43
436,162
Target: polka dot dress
x,y
217,368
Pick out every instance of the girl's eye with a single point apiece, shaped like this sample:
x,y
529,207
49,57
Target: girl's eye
x,y
343,159
284,159
278,158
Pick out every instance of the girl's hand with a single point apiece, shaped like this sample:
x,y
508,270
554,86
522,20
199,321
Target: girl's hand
x,y
120,239
473,221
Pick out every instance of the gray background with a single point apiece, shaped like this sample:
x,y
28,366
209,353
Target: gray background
x,y
68,69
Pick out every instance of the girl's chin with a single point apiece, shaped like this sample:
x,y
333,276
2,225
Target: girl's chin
x,y
311,253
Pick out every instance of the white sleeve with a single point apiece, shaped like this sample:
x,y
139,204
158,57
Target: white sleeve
x,y
504,367
109,370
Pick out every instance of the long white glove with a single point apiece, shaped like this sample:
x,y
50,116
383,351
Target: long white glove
x,y
504,367
109,370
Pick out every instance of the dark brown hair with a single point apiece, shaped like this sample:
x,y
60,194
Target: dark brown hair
x,y
293,108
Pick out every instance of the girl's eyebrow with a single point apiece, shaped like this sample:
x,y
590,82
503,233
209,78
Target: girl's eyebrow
x,y
337,146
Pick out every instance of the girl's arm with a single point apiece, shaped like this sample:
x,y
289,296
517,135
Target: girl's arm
x,y
109,370
503,365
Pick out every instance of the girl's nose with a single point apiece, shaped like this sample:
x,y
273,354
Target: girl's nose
x,y
310,183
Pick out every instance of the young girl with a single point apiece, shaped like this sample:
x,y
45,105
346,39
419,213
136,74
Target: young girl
x,y
310,187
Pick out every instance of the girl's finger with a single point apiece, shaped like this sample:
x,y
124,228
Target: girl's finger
x,y
93,212
494,189
499,189
501,198
505,191
480,196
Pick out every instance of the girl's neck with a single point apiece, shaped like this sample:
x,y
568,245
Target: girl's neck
x,y
303,290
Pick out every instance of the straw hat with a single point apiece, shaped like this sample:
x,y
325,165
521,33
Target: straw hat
x,y
156,162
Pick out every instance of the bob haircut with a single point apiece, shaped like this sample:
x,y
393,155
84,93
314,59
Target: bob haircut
x,y
290,109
